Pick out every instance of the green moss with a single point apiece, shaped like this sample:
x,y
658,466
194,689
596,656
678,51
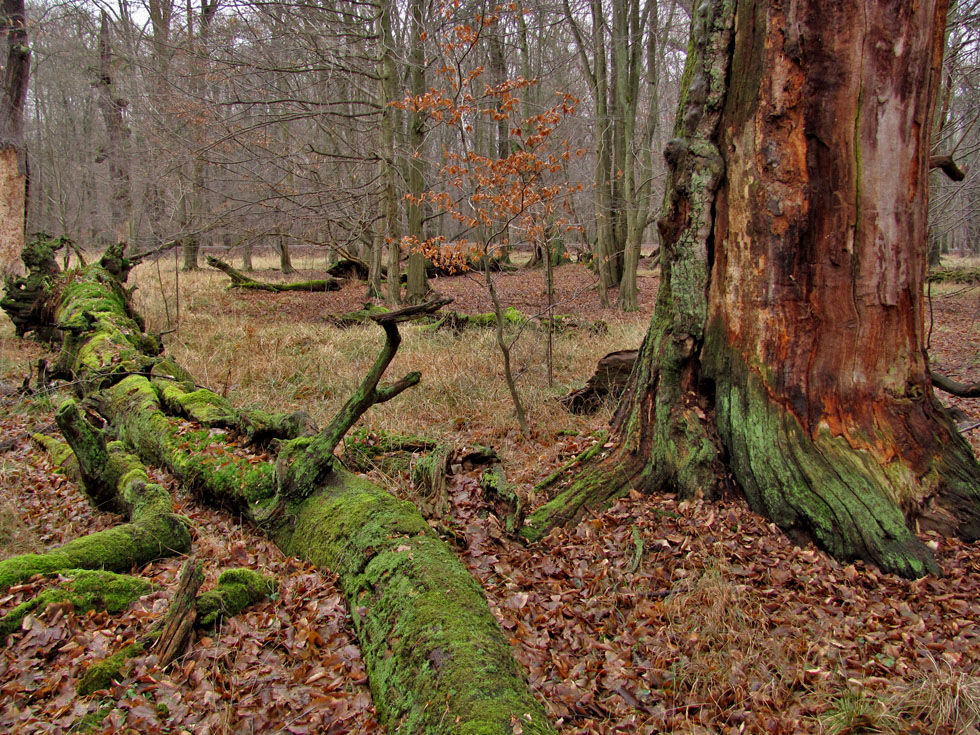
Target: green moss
x,y
360,316
596,486
168,370
424,626
115,549
92,720
203,406
427,469
819,485
85,590
199,458
102,674
61,455
236,590
495,486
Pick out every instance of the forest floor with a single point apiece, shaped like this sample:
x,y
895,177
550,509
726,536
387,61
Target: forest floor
x,y
656,615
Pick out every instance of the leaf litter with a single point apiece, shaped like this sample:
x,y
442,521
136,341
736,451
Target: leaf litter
x,y
656,615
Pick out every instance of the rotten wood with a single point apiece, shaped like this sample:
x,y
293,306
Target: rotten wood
x,y
178,621
607,383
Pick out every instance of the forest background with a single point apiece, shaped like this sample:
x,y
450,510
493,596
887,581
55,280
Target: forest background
x,y
244,128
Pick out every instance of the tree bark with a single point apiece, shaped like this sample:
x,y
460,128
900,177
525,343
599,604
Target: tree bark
x,y
13,155
388,168
788,332
417,284
112,108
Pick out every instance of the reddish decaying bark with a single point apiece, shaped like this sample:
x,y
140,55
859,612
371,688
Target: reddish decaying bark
x,y
815,300
13,160
794,241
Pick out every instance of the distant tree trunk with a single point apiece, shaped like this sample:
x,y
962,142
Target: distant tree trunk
x,y
13,155
115,153
389,196
596,74
198,47
788,329
285,261
417,284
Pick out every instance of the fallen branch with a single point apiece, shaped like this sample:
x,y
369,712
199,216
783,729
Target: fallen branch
x,y
178,622
954,388
240,280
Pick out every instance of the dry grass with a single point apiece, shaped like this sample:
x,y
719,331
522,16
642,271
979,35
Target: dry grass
x,y
15,536
945,700
728,655
286,364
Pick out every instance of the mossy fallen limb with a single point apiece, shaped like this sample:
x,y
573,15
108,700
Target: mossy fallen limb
x,y
84,590
237,589
61,456
240,280
215,411
425,630
155,531
954,275
593,488
116,549
358,316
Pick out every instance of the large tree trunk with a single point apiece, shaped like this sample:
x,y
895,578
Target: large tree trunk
x,y
794,240
13,156
426,632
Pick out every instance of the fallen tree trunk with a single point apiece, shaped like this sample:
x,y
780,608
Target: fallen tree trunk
x,y
240,280
437,661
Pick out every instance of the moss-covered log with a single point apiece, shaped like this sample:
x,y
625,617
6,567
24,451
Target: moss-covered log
x,y
153,532
954,275
116,549
422,621
437,660
240,280
83,590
